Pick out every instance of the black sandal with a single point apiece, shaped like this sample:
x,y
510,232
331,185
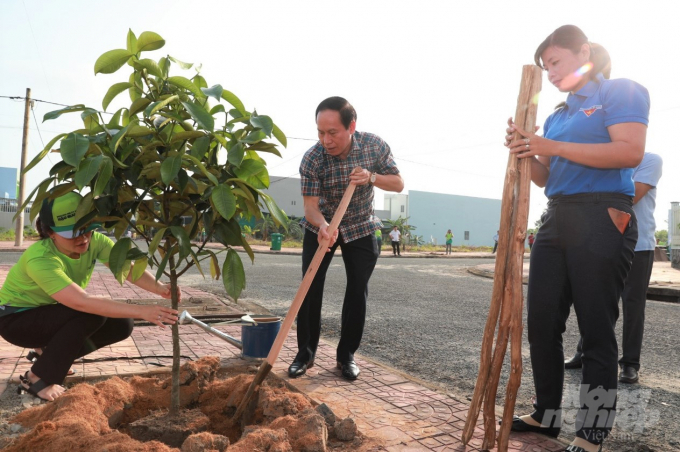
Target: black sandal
x,y
33,356
25,385
572,448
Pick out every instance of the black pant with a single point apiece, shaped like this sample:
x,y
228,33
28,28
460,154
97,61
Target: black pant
x,y
633,301
379,245
360,257
495,247
581,258
395,248
64,334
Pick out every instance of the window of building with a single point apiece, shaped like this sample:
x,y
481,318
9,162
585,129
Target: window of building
x,y
467,235
292,203
402,208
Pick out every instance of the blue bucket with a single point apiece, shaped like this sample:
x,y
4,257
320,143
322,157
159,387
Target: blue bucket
x,y
258,339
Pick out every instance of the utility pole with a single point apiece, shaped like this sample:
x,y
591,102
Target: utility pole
x,y
19,230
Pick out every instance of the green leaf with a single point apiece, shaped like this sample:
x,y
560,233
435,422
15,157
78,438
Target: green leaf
x,y
200,147
233,100
139,268
263,122
44,152
202,168
224,201
73,148
235,154
254,137
279,135
153,246
162,265
131,42
118,137
105,172
139,131
85,207
170,168
182,64
41,188
183,241
180,136
118,258
139,105
148,41
87,169
201,116
113,92
198,264
263,146
185,83
154,107
115,119
215,271
214,91
253,172
199,80
164,64
56,113
279,217
233,274
136,90
150,65
219,108
111,61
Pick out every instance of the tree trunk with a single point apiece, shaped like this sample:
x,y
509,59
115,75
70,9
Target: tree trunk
x,y
174,396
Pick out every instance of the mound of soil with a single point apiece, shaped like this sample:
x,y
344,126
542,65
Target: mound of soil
x,y
132,415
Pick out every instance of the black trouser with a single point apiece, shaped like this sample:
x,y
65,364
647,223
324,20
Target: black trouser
x,y
495,247
360,257
395,248
581,258
64,334
379,241
633,301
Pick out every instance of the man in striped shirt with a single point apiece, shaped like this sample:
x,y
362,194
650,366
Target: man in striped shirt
x,y
326,170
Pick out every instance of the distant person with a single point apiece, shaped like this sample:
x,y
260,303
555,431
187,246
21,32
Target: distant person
x,y
43,304
634,296
395,236
378,238
586,244
531,240
326,170
449,241
495,242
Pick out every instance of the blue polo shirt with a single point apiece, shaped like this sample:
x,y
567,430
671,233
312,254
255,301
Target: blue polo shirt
x,y
598,105
648,172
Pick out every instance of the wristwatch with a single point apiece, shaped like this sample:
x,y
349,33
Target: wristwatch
x,y
373,176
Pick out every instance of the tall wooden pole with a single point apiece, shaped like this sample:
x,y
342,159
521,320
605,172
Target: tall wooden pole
x,y
19,229
506,301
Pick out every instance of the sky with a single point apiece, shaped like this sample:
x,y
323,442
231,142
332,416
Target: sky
x,y
436,80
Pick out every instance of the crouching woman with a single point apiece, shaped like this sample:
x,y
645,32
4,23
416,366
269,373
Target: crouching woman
x,y
43,303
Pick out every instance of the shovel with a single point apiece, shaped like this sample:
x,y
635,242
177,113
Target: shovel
x,y
267,365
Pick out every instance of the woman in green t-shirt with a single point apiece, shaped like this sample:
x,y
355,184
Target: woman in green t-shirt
x,y
449,241
43,304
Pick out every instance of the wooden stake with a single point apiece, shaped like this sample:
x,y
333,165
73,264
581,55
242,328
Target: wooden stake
x,y
506,300
266,366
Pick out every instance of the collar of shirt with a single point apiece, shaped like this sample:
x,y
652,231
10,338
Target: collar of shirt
x,y
575,100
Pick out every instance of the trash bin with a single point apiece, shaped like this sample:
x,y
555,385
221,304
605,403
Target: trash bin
x,y
276,241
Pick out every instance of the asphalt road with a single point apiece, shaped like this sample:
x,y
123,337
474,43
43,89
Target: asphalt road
x,y
426,318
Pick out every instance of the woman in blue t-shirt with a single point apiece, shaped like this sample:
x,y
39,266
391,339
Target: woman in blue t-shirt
x,y
584,248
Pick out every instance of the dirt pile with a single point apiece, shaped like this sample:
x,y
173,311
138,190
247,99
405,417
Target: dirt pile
x,y
132,415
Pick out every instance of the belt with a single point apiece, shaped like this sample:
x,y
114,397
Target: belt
x,y
590,198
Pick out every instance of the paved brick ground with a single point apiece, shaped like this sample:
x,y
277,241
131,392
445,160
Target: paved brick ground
x,y
384,404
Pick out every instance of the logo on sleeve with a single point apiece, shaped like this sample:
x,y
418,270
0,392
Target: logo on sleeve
x,y
591,110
